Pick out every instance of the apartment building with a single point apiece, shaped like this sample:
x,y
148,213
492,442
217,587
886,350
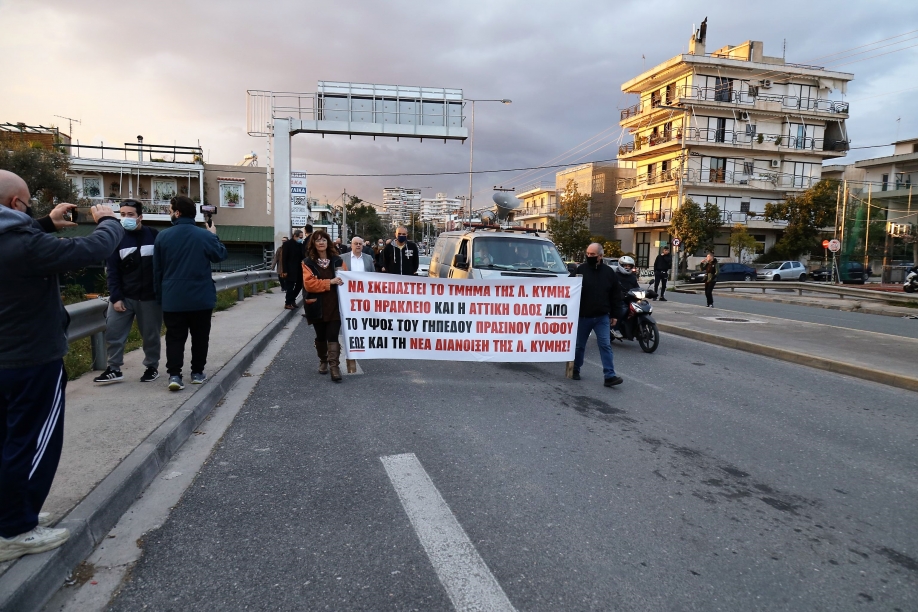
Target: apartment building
x,y
887,185
733,127
401,203
600,183
538,203
440,208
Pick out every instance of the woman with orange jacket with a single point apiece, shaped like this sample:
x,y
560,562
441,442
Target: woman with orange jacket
x,y
321,282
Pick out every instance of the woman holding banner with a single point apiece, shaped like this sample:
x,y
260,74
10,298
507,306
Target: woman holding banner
x,y
320,279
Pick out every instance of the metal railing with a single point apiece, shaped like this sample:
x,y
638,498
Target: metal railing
x,y
531,211
732,137
88,319
744,97
714,176
139,152
841,291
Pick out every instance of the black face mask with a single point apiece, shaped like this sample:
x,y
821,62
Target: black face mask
x,y
592,260
29,212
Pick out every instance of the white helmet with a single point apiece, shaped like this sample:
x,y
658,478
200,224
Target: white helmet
x,y
625,260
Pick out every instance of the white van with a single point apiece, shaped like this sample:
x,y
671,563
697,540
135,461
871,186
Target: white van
x,y
489,253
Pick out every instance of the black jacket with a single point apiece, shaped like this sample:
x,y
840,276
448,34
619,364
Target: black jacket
x,y
33,321
314,310
662,265
292,254
130,268
401,261
601,293
627,280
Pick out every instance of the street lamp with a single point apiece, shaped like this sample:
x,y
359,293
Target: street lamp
x,y
472,144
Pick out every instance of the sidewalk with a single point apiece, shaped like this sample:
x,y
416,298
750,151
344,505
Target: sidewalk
x,y
105,424
789,296
872,356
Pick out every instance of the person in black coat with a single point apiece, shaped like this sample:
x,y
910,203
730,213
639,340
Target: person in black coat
x,y
402,255
661,267
600,303
292,253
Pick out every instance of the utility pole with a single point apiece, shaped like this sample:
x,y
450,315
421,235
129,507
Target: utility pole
x,y
344,218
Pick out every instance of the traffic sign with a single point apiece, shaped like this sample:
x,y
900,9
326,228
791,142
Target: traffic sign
x,y
825,244
676,242
834,246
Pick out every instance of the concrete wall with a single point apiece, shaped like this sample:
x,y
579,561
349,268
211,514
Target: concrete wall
x,y
255,195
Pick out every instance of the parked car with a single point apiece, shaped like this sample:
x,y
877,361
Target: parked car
x,y
610,261
728,272
851,272
423,265
782,270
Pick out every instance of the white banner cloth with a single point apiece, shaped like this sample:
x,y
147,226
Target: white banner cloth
x,y
513,318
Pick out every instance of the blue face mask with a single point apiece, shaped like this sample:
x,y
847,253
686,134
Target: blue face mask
x,y
129,223
300,240
403,239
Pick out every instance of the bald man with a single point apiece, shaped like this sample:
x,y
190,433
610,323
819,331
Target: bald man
x,y
33,342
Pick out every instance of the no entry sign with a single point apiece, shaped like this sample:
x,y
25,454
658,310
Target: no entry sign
x,y
825,244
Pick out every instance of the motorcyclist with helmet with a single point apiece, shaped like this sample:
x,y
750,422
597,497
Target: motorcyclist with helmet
x,y
626,272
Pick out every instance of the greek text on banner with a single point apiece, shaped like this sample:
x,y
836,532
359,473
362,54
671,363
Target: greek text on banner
x,y
519,318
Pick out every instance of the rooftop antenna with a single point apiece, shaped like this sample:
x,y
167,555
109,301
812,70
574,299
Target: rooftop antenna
x,y
72,121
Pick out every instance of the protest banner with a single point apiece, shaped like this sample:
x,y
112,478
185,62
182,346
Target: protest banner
x,y
519,318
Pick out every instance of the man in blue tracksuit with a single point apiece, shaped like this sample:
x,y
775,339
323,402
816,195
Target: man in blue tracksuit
x,y
131,296
33,342
185,288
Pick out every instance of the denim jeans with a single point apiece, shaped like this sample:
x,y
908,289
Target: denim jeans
x,y
599,325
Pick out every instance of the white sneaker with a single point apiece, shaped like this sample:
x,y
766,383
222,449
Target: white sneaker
x,y
44,519
38,540
617,334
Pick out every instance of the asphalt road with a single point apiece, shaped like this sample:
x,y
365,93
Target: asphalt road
x,y
897,326
696,485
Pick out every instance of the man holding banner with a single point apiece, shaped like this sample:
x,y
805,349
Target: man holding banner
x,y
600,303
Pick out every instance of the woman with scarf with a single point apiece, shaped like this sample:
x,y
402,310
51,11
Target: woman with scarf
x,y
321,281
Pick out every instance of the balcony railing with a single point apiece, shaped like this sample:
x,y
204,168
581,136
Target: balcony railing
x,y
133,152
723,94
730,137
534,211
714,176
729,95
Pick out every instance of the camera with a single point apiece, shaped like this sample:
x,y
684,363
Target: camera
x,y
208,210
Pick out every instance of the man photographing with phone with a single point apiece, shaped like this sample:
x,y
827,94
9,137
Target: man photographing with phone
x,y
33,342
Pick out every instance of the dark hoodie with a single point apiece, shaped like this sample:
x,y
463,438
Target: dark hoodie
x,y
33,321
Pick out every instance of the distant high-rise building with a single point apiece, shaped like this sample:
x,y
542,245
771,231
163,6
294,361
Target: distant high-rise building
x,y
401,203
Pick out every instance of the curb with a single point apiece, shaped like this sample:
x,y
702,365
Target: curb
x,y
869,309
820,363
32,580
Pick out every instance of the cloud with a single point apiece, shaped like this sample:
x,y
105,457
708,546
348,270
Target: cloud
x,y
177,72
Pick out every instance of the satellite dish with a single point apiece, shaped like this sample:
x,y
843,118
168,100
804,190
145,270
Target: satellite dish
x,y
488,216
506,203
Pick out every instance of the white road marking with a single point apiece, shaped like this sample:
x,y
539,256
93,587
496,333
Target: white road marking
x,y
626,377
465,576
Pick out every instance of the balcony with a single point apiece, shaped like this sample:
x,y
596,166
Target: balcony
x,y
719,177
730,96
153,210
535,211
645,145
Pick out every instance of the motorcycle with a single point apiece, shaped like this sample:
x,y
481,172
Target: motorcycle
x,y
638,324
911,282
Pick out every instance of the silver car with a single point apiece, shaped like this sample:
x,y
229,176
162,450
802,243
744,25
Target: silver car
x,y
781,270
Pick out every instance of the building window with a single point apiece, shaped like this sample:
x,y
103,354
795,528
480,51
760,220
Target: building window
x,y
92,187
806,175
744,207
643,249
232,194
163,190
718,173
885,185
599,183
655,99
723,89
748,168
750,130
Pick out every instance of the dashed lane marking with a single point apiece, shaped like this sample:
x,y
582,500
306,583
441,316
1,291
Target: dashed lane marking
x,y
463,573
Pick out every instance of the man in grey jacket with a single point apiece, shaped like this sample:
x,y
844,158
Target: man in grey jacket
x,y
33,342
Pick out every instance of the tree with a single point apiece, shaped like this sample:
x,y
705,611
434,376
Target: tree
x,y
806,215
612,248
43,170
363,221
570,229
741,241
696,227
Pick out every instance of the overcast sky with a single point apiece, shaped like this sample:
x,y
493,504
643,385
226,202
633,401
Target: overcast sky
x,y
177,72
